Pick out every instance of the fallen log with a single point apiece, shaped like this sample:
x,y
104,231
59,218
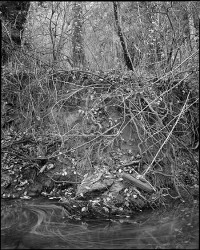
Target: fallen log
x,y
144,185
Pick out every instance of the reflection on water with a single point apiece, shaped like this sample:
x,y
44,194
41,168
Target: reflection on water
x,y
44,224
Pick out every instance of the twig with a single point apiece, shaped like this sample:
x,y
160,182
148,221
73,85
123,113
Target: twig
x,y
131,163
73,149
179,116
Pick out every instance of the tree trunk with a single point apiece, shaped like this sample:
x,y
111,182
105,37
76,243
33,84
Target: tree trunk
x,y
192,29
77,38
13,16
121,37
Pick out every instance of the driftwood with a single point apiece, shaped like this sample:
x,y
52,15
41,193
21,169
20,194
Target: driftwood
x,y
138,183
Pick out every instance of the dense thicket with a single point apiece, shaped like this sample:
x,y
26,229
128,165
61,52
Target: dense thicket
x,y
103,83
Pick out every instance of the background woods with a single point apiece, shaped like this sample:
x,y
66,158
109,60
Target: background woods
x,y
154,35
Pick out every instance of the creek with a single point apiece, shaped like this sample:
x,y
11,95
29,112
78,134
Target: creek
x,y
45,224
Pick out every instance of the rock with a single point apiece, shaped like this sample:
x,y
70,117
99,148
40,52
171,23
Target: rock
x,y
98,181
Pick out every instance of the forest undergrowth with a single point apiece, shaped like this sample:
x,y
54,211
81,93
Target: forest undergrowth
x,y
125,139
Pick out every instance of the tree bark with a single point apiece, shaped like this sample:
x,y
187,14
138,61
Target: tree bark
x,y
127,58
13,16
192,29
77,39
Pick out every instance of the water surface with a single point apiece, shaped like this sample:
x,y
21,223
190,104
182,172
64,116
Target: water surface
x,y
45,224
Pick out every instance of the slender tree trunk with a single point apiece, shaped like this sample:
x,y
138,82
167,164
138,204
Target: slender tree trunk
x,y
77,38
192,29
127,58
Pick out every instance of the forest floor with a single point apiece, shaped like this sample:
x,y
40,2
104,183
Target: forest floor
x,y
110,189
